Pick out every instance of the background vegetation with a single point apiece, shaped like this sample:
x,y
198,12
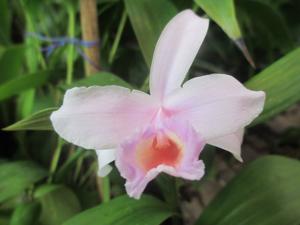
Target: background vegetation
x,y
46,181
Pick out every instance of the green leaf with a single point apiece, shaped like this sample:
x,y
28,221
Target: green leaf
x,y
59,203
22,83
11,62
17,176
101,79
224,14
26,214
37,121
266,192
148,18
5,20
281,82
124,210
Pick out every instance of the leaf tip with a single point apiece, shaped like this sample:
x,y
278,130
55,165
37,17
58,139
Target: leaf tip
x,y
242,46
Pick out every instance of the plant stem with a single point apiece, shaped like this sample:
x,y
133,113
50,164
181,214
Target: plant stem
x,y
55,159
118,37
90,32
71,48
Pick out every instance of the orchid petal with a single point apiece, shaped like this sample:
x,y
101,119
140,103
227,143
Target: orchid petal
x,y
104,171
231,143
216,105
173,148
175,51
105,156
100,117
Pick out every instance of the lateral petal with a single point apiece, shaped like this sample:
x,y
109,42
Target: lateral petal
x,y
100,117
216,105
231,143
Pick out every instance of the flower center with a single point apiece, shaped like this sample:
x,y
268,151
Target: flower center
x,y
161,149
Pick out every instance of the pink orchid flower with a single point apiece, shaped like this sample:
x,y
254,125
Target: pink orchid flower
x,y
166,130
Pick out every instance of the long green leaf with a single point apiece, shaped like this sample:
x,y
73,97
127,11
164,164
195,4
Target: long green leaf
x,y
223,13
266,192
59,203
26,214
11,62
281,82
101,79
124,210
17,176
22,83
5,20
38,121
148,18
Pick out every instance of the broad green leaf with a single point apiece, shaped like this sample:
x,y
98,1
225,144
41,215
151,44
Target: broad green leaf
x,y
124,210
45,190
281,82
224,14
101,79
26,214
22,83
148,18
17,176
5,20
11,62
266,192
59,203
38,121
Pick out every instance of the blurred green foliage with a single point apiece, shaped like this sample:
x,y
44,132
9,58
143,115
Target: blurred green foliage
x,y
45,181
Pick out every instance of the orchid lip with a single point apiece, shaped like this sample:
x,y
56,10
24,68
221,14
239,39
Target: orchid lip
x,y
165,146
161,149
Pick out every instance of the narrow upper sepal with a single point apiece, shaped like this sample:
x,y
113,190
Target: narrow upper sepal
x,y
175,51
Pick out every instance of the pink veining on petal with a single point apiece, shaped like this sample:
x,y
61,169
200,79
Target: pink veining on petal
x,y
172,147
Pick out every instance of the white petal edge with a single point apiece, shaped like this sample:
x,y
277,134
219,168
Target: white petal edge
x,y
216,105
105,157
104,171
100,117
231,143
175,51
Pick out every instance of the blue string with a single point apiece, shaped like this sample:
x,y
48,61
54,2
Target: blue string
x,y
56,42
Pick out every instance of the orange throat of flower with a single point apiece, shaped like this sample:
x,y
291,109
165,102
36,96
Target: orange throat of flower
x,y
161,149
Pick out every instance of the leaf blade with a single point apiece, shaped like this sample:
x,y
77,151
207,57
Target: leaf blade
x,y
37,121
224,14
17,176
148,18
266,188
124,210
101,79
22,83
281,82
